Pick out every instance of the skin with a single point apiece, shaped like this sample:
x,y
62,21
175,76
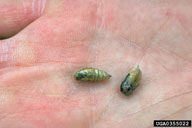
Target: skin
x,y
37,88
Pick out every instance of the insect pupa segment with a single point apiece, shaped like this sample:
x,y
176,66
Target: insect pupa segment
x,y
131,81
91,74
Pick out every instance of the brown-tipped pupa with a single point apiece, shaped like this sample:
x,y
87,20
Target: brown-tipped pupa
x,y
131,81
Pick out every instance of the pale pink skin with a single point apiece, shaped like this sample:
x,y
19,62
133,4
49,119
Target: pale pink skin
x,y
59,37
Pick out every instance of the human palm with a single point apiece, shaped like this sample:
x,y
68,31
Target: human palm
x,y
37,64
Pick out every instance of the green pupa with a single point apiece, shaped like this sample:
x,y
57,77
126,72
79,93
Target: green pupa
x,y
91,74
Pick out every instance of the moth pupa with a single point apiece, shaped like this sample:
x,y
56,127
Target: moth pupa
x,y
91,74
131,81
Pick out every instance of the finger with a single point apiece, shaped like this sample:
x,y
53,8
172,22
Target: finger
x,y
15,15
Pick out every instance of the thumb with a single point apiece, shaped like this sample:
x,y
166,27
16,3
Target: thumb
x,y
16,14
